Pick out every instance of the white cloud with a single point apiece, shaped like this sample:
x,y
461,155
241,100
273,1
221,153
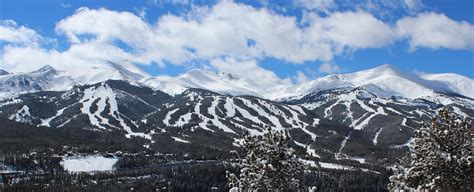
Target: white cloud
x,y
231,30
414,5
141,12
300,77
436,31
109,27
25,59
65,5
12,33
250,70
325,6
329,68
355,30
239,33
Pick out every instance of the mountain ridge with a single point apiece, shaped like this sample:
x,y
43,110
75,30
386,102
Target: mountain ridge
x,y
384,81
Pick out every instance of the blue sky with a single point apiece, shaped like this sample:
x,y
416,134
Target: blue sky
x,y
445,45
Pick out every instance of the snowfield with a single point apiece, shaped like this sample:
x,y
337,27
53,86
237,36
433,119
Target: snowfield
x,y
88,163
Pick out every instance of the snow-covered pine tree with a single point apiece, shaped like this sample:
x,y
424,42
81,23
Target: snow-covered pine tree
x,y
269,164
440,158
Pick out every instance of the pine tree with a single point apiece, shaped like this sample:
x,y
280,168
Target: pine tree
x,y
440,159
269,164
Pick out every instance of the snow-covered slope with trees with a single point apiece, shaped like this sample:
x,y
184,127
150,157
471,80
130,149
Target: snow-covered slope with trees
x,y
355,117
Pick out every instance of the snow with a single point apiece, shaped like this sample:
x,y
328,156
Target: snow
x,y
458,111
167,118
88,163
177,139
183,119
9,102
247,115
46,122
374,141
343,144
328,111
342,167
273,119
331,165
6,169
103,96
393,110
359,159
215,120
311,163
229,107
202,124
384,81
364,123
309,151
381,111
457,83
404,122
64,77
406,144
334,166
21,115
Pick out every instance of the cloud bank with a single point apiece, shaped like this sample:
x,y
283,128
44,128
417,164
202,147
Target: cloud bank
x,y
228,34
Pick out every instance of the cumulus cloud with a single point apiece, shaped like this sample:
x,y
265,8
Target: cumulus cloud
x,y
10,32
86,55
354,30
250,70
436,31
109,27
233,37
231,30
329,68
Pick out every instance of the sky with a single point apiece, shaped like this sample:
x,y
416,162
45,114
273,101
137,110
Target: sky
x,y
291,40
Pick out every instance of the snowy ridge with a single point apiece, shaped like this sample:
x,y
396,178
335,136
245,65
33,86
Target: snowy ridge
x,y
386,81
48,78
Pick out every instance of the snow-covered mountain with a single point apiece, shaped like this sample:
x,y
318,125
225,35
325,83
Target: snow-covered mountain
x,y
48,78
3,72
387,81
196,116
384,81
224,83
363,116
338,124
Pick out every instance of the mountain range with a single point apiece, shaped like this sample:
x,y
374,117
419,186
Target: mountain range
x,y
357,119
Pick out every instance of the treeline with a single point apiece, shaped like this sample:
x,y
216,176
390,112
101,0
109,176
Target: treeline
x,y
17,138
184,176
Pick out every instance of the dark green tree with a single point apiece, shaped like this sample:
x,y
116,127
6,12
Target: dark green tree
x,y
269,164
440,158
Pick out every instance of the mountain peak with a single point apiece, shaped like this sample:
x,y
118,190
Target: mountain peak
x,y
385,68
3,72
44,69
